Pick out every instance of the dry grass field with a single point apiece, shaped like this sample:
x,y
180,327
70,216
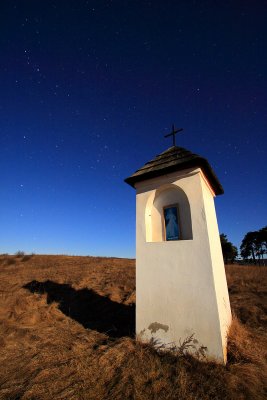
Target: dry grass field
x,y
67,332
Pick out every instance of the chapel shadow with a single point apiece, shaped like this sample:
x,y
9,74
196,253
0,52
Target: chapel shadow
x,y
90,309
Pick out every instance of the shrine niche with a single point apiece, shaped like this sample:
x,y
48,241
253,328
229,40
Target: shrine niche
x,y
168,197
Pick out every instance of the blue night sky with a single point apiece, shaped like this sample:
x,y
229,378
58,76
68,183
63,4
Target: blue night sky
x,y
88,90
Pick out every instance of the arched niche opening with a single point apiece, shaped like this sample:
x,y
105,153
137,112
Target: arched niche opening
x,y
157,207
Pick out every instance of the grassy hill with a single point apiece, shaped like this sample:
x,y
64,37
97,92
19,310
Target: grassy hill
x,y
67,332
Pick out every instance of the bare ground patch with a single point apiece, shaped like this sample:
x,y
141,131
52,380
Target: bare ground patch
x,y
66,332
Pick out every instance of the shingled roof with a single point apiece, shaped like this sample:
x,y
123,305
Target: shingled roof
x,y
172,160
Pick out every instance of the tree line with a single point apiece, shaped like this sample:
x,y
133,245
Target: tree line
x,y
253,247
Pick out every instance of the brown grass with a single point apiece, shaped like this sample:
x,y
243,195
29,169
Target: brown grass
x,y
66,332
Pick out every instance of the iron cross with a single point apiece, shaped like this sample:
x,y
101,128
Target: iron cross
x,y
173,133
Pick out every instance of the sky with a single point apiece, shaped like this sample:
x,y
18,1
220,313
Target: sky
x,y
88,91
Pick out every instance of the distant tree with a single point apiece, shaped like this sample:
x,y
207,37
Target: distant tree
x,y
249,246
254,245
228,249
263,241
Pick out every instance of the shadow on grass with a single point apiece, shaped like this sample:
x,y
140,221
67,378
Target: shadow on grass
x,y
89,308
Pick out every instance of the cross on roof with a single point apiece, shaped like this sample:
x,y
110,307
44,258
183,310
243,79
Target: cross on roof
x,y
173,133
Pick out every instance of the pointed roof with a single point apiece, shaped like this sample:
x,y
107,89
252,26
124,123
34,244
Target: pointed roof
x,y
175,159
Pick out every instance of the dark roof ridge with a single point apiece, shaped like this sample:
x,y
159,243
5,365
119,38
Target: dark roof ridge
x,y
171,160
161,158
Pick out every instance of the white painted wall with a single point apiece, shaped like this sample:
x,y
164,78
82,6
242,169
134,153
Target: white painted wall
x,y
180,285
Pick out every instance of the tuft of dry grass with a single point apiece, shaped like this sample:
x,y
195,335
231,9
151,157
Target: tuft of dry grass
x,y
248,289
66,332
10,261
6,259
247,361
19,253
26,257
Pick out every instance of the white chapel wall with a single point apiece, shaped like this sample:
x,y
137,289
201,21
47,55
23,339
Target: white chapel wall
x,y
176,292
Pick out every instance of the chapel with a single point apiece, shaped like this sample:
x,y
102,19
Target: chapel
x,y
181,288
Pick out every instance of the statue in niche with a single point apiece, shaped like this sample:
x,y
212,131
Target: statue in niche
x,y
171,222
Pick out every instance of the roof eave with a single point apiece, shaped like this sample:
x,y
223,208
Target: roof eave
x,y
200,162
